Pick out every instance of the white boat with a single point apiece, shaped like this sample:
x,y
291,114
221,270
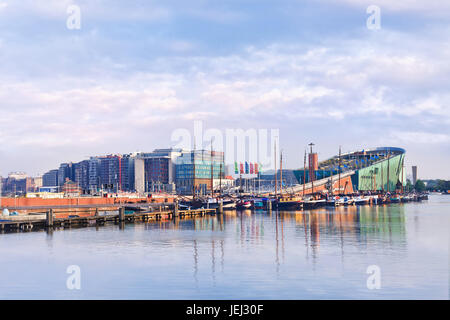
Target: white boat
x,y
361,200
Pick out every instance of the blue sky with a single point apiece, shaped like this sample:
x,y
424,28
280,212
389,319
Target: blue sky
x,y
138,70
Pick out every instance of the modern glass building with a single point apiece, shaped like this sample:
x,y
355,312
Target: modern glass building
x,y
207,165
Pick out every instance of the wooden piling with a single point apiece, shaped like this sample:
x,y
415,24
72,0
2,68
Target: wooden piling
x,y
49,218
175,210
269,205
121,214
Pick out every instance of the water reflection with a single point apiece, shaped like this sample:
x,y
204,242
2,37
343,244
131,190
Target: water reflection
x,y
338,228
345,226
245,254
195,263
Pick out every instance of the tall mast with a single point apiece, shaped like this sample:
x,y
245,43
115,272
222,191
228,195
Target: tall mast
x,y
339,169
311,169
304,174
221,172
403,164
402,175
331,177
193,180
388,182
276,174
212,171
281,173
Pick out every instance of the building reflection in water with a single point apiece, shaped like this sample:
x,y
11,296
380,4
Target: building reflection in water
x,y
341,227
195,262
358,225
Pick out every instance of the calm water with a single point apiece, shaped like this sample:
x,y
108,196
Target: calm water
x,y
320,254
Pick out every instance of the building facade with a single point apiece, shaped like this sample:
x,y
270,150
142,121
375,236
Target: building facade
x,y
196,171
81,175
50,178
155,171
373,170
65,171
110,173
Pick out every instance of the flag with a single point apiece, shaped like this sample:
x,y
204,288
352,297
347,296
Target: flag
x,y
242,168
251,168
256,168
246,167
236,169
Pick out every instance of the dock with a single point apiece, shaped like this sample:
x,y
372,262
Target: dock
x,y
49,221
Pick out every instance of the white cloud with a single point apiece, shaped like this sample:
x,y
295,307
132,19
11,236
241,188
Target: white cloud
x,y
429,7
85,97
94,9
421,137
284,81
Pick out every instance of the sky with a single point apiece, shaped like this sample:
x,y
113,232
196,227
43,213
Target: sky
x,y
136,71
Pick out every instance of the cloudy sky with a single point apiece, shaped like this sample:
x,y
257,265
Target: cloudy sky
x,y
138,70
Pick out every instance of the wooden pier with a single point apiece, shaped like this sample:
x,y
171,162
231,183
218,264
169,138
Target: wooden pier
x,y
29,222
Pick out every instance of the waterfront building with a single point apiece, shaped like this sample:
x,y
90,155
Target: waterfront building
x,y
414,175
127,172
313,161
110,173
196,170
155,171
93,174
81,175
17,183
71,189
378,169
50,178
66,170
37,182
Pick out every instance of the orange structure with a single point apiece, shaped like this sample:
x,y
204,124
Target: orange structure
x,y
345,185
79,201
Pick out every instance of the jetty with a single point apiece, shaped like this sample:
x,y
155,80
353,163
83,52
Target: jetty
x,y
54,218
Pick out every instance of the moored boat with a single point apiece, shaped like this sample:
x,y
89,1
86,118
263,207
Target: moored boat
x,y
361,200
290,203
243,204
313,204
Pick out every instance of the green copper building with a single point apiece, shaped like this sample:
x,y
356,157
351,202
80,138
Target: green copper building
x,y
378,169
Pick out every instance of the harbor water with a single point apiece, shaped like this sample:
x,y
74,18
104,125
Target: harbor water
x,y
318,254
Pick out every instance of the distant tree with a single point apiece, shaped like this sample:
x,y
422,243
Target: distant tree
x,y
409,185
420,186
443,185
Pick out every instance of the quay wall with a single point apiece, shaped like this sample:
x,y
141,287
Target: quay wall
x,y
80,201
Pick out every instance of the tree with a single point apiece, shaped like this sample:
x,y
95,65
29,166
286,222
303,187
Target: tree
x,y
443,185
409,185
420,186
